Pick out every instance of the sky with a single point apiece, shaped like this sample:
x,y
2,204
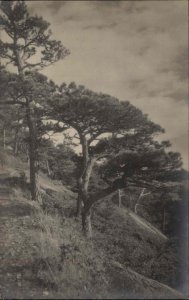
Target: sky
x,y
133,50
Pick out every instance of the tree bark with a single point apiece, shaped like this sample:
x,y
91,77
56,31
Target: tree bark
x,y
86,223
32,133
83,184
32,154
86,213
79,198
16,134
83,181
87,173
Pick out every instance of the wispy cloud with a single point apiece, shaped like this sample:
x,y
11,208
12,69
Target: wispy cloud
x,y
134,50
100,27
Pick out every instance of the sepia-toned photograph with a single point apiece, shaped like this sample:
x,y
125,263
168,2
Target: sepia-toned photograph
x,y
94,149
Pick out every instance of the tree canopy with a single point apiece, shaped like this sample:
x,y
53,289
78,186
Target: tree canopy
x,y
103,125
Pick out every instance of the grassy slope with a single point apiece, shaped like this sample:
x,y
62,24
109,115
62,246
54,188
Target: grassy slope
x,y
53,259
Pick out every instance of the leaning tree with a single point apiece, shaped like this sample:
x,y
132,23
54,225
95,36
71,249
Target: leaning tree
x,y
101,123
27,46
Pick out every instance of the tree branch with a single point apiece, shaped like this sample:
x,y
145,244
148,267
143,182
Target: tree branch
x,y
105,192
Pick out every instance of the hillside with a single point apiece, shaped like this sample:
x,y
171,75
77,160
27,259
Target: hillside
x,y
44,254
93,200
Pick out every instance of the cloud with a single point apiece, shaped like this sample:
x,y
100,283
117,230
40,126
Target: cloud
x,y
100,27
180,65
55,6
134,50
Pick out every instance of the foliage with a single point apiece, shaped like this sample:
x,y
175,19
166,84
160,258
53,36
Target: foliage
x,y
57,162
29,33
147,161
94,116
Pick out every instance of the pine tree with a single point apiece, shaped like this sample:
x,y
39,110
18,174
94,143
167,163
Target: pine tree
x,y
28,37
94,116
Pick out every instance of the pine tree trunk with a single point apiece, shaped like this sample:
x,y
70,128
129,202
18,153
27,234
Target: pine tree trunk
x,y
83,184
16,134
32,133
33,176
86,223
86,213
79,198
32,155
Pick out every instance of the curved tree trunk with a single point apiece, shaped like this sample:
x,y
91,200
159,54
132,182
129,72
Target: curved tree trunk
x,y
83,197
83,181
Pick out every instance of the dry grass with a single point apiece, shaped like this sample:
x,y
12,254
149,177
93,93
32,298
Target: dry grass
x,y
47,237
64,259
